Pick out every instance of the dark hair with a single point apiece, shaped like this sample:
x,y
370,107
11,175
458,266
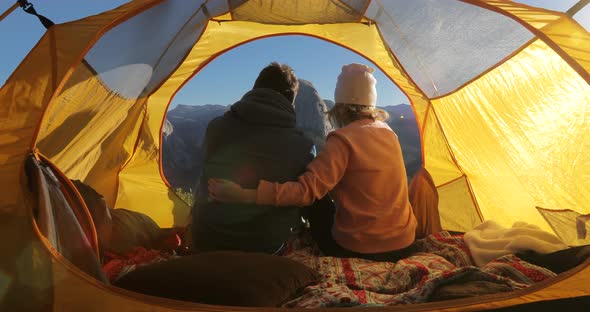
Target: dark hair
x,y
278,77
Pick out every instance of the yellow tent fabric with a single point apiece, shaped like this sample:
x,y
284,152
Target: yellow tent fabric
x,y
500,95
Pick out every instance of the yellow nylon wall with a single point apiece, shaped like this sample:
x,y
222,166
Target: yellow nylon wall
x,y
24,96
438,156
141,188
89,131
22,100
28,90
300,12
572,38
458,211
567,34
520,133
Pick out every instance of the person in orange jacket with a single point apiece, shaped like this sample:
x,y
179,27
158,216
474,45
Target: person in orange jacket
x,y
361,166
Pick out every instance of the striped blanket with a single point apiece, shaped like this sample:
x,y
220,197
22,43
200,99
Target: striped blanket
x,y
443,259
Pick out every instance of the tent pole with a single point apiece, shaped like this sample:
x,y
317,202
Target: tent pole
x,y
10,10
577,7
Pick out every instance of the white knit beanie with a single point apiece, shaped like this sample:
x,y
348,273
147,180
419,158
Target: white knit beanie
x,y
356,85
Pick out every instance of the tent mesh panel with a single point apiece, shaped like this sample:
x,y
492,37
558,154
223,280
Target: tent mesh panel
x,y
443,44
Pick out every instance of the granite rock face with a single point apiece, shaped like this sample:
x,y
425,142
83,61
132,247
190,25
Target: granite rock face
x,y
183,136
310,110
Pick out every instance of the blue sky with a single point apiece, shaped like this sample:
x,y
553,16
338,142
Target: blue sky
x,y
312,59
225,79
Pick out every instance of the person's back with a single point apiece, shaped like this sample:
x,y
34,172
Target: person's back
x,y
378,215
256,139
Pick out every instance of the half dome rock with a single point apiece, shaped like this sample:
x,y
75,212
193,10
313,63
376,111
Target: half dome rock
x,y
310,110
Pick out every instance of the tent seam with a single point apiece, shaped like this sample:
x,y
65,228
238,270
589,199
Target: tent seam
x,y
572,62
352,9
471,193
130,158
422,131
404,72
405,39
199,9
365,10
124,17
80,58
145,114
490,69
451,181
160,166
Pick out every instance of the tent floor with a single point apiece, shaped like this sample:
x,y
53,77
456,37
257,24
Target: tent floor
x,y
566,304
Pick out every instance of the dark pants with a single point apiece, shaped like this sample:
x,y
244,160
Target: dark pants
x,y
321,219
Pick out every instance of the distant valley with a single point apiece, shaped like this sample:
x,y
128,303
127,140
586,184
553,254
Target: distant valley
x,y
185,126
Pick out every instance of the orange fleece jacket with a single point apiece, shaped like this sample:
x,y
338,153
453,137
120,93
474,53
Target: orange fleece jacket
x,y
362,165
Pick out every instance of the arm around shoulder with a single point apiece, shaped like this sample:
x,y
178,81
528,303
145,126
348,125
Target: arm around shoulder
x,y
322,174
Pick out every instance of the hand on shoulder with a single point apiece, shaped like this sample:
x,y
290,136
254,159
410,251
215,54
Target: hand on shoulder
x,y
226,191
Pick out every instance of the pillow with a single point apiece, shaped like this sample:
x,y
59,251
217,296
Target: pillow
x,y
133,229
100,213
120,230
224,278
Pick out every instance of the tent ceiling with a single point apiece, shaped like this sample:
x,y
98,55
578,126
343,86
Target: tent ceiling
x,y
443,44
300,12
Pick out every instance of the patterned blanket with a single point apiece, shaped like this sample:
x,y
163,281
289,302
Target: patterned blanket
x,y
443,259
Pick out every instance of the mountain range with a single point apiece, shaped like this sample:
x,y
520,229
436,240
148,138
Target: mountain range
x,y
185,126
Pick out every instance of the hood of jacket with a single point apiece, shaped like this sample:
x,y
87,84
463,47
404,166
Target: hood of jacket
x,y
266,107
